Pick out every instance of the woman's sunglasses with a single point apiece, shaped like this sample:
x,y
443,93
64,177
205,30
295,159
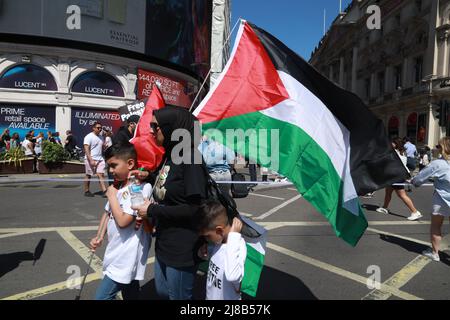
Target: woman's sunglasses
x,y
154,126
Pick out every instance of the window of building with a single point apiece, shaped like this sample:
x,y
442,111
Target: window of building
x,y
381,83
419,5
393,127
367,87
418,69
28,77
398,77
411,127
98,83
398,20
422,128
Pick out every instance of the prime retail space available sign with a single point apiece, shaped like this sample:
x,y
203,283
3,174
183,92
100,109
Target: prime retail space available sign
x,y
22,118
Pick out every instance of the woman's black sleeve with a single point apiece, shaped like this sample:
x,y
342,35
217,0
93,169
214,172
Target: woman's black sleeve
x,y
178,213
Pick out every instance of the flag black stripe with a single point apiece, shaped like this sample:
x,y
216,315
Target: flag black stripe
x,y
373,162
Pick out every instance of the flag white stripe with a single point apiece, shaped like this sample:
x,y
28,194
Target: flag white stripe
x,y
308,112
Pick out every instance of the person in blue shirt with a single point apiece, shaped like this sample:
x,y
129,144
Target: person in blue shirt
x,y
411,153
219,162
439,170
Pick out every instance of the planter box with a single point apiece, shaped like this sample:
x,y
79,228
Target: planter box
x,y
61,167
10,168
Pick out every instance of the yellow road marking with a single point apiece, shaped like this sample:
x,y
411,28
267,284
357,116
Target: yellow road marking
x,y
339,271
60,286
399,279
82,250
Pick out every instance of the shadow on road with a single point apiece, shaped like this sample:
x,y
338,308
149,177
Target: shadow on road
x,y
412,246
10,261
273,285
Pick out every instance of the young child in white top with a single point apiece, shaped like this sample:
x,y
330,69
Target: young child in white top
x,y
127,250
228,254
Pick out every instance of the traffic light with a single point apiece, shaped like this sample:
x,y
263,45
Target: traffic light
x,y
441,114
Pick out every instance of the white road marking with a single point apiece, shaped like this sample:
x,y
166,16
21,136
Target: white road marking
x,y
399,236
339,271
284,204
265,196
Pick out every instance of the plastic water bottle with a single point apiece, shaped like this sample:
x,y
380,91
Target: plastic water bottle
x,y
135,189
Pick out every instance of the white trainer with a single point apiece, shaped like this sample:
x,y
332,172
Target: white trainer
x,y
415,216
382,210
430,254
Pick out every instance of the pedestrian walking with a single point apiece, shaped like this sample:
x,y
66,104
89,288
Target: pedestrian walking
x,y
439,169
94,162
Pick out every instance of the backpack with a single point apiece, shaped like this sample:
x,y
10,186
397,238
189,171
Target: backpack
x,y
213,192
238,190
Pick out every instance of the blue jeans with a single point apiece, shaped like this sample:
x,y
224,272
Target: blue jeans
x,y
108,290
174,283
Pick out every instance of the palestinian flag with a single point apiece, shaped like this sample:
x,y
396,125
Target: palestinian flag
x,y
330,145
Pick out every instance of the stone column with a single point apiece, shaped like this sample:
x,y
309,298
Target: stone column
x,y
341,71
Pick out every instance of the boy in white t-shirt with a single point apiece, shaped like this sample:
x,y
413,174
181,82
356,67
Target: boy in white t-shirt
x,y
127,251
227,256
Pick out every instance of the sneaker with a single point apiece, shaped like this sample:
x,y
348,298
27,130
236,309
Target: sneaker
x,y
88,194
368,195
415,216
382,210
430,254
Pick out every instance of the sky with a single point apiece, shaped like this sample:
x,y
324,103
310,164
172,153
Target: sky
x,y
297,23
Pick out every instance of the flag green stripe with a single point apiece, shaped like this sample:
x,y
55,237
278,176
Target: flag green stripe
x,y
252,271
306,164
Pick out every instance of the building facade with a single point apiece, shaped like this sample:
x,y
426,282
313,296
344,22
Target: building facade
x,y
400,70
57,74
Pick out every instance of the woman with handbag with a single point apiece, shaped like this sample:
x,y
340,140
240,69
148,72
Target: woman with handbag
x,y
179,192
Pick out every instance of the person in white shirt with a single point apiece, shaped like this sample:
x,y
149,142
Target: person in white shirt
x,y
28,148
128,247
227,255
94,162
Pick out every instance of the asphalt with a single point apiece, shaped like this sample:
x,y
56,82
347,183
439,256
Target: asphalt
x,y
305,260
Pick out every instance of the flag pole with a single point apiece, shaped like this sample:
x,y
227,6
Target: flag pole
x,y
215,59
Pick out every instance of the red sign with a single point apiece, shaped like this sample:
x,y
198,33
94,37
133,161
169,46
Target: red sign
x,y
175,92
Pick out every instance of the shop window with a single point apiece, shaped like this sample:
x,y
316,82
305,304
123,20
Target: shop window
x,y
98,83
28,77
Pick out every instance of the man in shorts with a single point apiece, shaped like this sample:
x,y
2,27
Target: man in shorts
x,y
94,162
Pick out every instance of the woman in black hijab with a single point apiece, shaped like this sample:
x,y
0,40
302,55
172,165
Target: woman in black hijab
x,y
178,194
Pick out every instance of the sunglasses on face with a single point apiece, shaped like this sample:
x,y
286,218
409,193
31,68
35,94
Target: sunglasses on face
x,y
154,126
98,128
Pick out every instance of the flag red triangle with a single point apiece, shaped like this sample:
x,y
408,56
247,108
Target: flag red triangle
x,y
250,84
149,153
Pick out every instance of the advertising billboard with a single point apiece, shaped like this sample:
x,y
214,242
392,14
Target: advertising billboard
x,y
22,118
178,31
83,120
175,92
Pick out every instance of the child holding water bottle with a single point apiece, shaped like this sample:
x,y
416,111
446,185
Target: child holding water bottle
x,y
127,250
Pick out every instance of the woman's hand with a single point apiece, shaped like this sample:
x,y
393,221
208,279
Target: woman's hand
x,y
142,209
140,175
